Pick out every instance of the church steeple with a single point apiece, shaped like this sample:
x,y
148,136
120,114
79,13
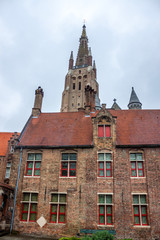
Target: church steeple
x,y
81,88
134,102
82,56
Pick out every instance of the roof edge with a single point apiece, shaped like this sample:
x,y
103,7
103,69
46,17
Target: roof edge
x,y
55,147
139,146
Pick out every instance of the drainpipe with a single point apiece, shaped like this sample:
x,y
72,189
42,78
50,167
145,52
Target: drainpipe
x,y
16,190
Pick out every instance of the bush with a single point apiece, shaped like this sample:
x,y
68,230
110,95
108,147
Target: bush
x,y
69,238
102,235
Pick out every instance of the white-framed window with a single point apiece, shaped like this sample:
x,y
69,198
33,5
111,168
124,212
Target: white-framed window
x,y
68,164
8,170
33,164
58,207
105,209
137,164
104,164
29,207
140,209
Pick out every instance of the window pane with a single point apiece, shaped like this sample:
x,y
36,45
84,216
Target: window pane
x,y
26,196
54,198
72,173
33,207
108,173
37,164
64,164
64,173
62,209
108,156
140,173
72,165
29,172
37,172
101,165
34,197
54,208
143,198
25,207
109,209
62,198
108,165
61,218
33,217
133,165
101,199
101,210
144,210
136,220
64,156
38,156
134,173
101,220
30,156
107,131
132,156
24,216
54,218
101,131
135,199
140,165
136,210
108,198
101,173
73,156
109,219
139,156
9,164
30,165
144,220
101,156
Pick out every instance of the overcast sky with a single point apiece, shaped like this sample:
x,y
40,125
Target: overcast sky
x,y
37,36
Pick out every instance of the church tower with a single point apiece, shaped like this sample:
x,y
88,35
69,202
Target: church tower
x,y
81,89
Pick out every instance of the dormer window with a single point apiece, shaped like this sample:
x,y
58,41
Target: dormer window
x,y
104,131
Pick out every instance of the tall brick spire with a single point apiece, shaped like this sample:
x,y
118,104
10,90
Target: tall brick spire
x,y
82,56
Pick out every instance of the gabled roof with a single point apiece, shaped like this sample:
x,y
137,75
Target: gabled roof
x,y
74,129
137,127
4,138
58,130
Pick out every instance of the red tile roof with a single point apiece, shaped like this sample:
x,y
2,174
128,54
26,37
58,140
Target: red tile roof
x,y
134,127
58,129
137,127
4,138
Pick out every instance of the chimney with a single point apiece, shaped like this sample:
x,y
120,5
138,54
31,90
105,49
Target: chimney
x,y
90,99
36,110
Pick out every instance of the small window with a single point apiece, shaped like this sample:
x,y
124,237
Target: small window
x,y
104,131
79,88
137,168
68,164
29,207
33,164
105,209
8,170
79,71
74,86
58,207
104,165
140,209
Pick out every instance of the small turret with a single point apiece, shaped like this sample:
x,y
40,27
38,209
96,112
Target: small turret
x,y
71,61
36,110
115,106
89,57
94,68
134,102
